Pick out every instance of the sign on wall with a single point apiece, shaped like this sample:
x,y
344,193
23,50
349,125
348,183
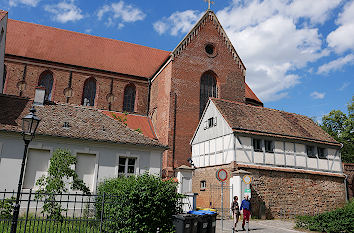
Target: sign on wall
x,y
247,179
221,174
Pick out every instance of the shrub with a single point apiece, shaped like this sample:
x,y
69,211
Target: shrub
x,y
138,204
339,220
60,176
6,208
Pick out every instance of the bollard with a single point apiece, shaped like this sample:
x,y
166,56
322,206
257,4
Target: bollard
x,y
247,226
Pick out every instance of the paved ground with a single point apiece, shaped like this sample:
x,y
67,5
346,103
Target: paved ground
x,y
271,226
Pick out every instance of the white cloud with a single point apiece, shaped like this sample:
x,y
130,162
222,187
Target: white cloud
x,y
272,44
344,86
336,64
178,22
122,12
31,3
317,95
341,39
64,11
274,38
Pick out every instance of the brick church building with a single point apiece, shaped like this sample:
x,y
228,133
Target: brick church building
x,y
169,87
167,96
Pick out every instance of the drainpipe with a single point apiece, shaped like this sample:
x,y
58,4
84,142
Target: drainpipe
x,y
345,178
174,134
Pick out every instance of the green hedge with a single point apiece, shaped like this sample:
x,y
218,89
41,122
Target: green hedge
x,y
138,204
339,220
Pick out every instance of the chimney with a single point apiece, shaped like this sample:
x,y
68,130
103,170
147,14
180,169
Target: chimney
x,y
39,96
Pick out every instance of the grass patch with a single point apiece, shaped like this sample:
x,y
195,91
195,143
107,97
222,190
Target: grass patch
x,y
71,225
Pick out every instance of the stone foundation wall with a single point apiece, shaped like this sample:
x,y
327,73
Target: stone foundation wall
x,y
348,169
277,194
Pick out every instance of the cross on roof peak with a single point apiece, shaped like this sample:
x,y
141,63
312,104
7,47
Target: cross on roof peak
x,y
209,3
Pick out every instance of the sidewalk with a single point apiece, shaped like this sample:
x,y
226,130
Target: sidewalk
x,y
271,226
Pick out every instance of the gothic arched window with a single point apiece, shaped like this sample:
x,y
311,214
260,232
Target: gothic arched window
x,y
129,98
88,97
46,81
208,89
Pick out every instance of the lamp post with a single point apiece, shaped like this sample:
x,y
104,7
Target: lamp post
x,y
29,127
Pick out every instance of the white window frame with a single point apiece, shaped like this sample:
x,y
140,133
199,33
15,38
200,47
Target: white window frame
x,y
127,155
202,185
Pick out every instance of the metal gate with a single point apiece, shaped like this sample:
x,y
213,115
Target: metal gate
x,y
223,206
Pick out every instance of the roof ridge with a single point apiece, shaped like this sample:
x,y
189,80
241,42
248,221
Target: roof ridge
x,y
253,106
88,35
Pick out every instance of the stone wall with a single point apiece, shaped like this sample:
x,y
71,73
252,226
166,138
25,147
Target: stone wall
x,y
348,169
278,194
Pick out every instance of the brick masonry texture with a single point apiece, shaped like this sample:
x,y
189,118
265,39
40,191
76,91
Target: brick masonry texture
x,y
184,78
61,77
277,194
348,169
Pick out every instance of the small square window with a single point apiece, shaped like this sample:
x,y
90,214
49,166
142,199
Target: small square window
x,y
202,185
321,153
257,145
269,146
211,122
310,151
126,166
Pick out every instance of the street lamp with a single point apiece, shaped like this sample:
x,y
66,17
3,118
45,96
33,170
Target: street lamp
x,y
29,127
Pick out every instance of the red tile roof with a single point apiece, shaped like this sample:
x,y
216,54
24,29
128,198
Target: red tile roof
x,y
248,119
67,47
250,94
83,122
135,122
57,45
2,14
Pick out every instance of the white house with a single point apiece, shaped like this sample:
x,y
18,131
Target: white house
x,y
279,150
104,146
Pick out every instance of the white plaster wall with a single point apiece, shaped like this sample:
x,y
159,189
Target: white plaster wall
x,y
148,160
221,128
3,25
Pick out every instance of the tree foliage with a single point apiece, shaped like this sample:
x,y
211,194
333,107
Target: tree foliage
x,y
138,204
61,176
341,127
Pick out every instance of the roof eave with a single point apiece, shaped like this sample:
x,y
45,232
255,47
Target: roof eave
x,y
277,135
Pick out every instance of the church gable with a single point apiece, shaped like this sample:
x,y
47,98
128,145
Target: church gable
x,y
209,17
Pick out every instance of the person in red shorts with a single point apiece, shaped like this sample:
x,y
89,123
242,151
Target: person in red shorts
x,y
246,206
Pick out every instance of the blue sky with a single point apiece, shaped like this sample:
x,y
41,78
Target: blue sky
x,y
299,54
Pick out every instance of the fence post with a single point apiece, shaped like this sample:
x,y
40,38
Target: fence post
x,y
28,206
102,210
